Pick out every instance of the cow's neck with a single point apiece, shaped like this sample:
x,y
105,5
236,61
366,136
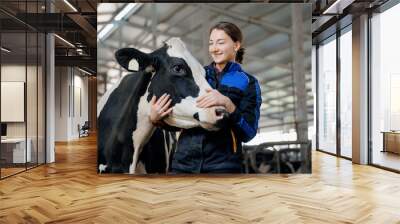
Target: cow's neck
x,y
144,129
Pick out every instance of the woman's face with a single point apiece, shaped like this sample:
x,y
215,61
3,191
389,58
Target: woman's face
x,y
221,47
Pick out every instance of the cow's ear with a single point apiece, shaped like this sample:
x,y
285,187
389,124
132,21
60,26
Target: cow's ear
x,y
132,59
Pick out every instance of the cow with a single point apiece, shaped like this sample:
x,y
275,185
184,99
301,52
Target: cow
x,y
123,112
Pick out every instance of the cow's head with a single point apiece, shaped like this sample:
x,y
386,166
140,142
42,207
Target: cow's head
x,y
176,72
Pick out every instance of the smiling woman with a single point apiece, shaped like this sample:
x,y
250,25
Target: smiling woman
x,y
204,151
225,44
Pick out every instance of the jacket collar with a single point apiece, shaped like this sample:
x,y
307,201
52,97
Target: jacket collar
x,y
229,67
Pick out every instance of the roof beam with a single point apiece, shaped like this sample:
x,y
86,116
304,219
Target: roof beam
x,y
244,18
200,23
165,33
310,109
286,61
279,124
268,99
174,24
285,87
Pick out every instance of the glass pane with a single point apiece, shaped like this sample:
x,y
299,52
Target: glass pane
x,y
346,94
385,86
13,86
327,96
23,59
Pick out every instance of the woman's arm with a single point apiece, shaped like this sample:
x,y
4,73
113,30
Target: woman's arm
x,y
244,119
245,115
214,98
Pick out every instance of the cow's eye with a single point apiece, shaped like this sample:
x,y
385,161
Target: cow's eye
x,y
178,69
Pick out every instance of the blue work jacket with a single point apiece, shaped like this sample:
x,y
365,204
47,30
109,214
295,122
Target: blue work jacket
x,y
202,151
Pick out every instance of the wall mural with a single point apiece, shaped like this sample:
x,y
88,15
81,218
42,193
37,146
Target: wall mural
x,y
173,113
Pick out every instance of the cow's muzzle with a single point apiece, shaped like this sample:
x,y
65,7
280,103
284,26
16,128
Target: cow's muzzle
x,y
219,112
211,118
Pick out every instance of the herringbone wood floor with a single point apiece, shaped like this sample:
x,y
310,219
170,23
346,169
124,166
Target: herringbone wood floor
x,y
70,191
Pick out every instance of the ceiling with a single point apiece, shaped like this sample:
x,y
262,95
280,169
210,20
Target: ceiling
x,y
73,22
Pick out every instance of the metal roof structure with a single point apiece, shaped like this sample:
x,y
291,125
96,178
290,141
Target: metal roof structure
x,y
267,30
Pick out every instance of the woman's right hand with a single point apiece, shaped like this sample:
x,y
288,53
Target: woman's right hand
x,y
159,108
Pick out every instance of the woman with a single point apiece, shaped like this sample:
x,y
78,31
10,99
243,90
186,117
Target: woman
x,y
202,151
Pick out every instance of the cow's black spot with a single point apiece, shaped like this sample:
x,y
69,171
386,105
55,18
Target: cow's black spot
x,y
173,76
118,120
196,116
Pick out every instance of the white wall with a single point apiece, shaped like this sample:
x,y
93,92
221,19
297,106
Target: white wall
x,y
13,73
71,94
80,101
61,103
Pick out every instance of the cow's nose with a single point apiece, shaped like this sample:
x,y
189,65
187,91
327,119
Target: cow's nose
x,y
223,116
196,116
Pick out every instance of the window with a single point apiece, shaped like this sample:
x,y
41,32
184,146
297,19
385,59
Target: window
x,y
346,93
385,86
327,95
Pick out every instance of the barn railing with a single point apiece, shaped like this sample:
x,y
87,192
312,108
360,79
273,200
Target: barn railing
x,y
278,157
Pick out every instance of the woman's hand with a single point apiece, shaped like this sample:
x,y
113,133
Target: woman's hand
x,y
213,97
159,109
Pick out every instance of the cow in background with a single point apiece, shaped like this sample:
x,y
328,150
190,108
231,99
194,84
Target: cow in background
x,y
123,112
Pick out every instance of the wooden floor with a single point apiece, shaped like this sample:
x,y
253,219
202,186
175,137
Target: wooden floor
x,y
70,191
10,171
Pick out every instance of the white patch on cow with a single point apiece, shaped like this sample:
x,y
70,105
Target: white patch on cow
x,y
167,150
144,130
102,168
133,65
105,97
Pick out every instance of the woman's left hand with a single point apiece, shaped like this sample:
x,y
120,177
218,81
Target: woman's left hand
x,y
213,97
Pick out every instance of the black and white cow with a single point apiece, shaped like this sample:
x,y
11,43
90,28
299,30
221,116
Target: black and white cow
x,y
123,112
